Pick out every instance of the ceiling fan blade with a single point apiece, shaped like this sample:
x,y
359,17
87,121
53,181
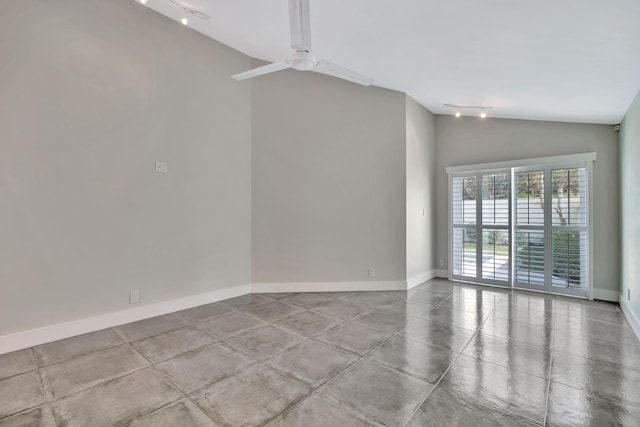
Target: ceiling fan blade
x,y
299,20
326,67
276,66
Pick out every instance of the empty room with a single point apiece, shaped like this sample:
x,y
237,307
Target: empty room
x,y
319,213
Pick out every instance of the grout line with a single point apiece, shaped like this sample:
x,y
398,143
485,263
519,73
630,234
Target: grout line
x,y
316,389
76,356
262,362
347,368
149,366
350,367
184,395
152,366
477,331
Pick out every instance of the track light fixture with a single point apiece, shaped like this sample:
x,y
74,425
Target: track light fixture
x,y
460,108
188,12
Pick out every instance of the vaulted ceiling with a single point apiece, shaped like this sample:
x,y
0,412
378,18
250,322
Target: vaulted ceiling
x,y
569,60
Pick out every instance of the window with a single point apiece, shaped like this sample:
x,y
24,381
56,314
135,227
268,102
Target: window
x,y
523,225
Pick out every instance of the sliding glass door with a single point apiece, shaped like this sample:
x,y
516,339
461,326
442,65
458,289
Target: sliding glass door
x,y
525,227
551,234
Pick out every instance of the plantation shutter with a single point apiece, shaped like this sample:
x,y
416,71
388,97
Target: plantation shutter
x,y
480,227
524,224
569,228
495,226
464,215
529,228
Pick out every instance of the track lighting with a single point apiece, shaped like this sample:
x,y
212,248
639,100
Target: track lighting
x,y
188,12
460,108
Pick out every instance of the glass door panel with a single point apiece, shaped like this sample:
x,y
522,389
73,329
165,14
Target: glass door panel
x,y
464,215
529,251
569,232
464,252
495,227
529,258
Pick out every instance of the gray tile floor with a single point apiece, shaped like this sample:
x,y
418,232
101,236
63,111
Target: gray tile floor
x,y
442,354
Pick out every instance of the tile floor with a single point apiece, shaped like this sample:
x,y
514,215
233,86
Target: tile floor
x,y
441,354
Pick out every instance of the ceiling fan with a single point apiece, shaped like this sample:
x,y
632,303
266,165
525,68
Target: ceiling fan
x,y
302,59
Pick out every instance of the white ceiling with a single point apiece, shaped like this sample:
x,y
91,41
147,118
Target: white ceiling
x,y
561,60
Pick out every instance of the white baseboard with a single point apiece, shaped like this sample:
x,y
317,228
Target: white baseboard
x,y
420,279
399,285
25,339
606,295
443,274
631,316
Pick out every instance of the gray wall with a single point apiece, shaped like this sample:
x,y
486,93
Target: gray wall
x,y
421,187
469,140
328,180
630,205
92,93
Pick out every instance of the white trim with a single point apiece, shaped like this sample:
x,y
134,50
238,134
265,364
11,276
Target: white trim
x,y
420,279
450,226
398,285
443,274
581,157
30,338
606,295
631,316
592,292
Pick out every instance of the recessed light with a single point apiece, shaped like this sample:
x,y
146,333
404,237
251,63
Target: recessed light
x,y
483,114
143,1
184,21
458,113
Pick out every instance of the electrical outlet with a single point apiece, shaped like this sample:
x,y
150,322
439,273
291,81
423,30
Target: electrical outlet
x,y
372,272
441,263
422,212
161,167
134,297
